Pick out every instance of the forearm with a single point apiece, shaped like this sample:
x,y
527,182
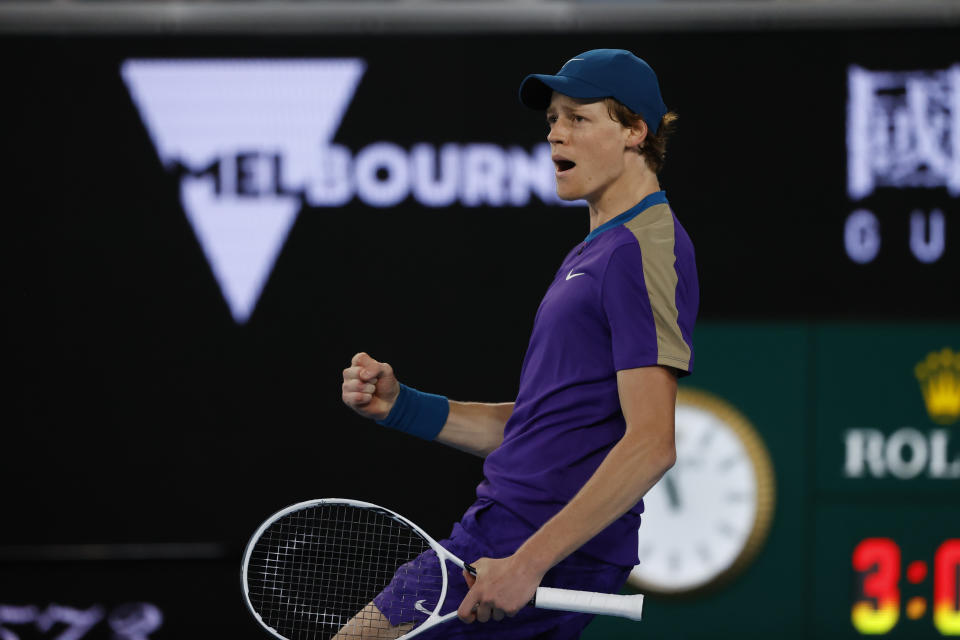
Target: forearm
x,y
631,468
475,427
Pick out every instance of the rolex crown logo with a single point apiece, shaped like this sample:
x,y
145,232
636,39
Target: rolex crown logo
x,y
939,377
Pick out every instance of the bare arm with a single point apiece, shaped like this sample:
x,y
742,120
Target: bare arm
x,y
475,427
370,388
646,451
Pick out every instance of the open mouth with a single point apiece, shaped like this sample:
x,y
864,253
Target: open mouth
x,y
565,165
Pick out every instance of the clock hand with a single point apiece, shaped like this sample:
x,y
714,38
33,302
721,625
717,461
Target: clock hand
x,y
672,492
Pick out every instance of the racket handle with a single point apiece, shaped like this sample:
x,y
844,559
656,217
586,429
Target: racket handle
x,y
589,602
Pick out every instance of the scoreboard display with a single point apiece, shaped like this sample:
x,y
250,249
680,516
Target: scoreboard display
x,y
202,230
877,610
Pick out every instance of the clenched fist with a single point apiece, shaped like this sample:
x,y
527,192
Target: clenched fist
x,y
369,387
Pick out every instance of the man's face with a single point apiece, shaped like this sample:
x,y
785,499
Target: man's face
x,y
587,146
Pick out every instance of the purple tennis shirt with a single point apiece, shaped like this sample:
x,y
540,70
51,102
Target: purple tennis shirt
x,y
625,297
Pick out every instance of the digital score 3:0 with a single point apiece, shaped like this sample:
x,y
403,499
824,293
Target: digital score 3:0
x,y
877,567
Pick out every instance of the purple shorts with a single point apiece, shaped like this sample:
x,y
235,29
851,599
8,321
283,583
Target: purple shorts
x,y
470,540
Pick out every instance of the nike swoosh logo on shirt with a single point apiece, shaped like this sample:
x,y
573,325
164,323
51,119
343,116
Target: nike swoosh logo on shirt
x,y
574,275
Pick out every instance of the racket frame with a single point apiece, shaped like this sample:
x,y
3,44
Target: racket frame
x,y
442,554
546,598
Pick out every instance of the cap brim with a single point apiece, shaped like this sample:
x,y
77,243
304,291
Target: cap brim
x,y
537,89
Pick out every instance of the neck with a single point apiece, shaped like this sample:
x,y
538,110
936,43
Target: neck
x,y
629,189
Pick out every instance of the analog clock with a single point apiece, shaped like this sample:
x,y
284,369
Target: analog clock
x,y
709,515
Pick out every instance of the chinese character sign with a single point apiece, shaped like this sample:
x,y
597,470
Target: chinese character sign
x,y
903,130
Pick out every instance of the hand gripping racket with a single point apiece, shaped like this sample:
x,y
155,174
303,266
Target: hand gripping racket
x,y
311,570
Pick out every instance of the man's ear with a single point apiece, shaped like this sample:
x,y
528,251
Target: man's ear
x,y
637,134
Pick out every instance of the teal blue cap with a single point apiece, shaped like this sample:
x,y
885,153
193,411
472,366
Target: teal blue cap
x,y
601,73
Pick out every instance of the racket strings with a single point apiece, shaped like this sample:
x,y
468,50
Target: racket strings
x,y
315,569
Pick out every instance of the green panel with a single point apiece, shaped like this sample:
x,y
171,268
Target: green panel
x,y
874,432
916,530
857,454
762,371
886,467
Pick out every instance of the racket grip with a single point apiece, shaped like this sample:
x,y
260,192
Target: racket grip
x,y
609,604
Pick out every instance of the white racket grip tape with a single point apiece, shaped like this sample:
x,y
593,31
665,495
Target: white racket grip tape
x,y
609,604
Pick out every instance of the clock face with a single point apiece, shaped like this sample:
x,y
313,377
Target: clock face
x,y
709,514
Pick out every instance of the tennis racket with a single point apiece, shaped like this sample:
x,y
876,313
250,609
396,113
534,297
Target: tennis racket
x,y
312,570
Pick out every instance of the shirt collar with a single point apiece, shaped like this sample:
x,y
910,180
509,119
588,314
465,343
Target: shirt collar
x,y
657,197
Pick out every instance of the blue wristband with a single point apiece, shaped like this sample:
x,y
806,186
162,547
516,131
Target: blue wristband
x,y
417,413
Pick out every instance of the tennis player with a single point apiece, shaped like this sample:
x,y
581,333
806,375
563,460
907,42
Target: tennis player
x,y
592,428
